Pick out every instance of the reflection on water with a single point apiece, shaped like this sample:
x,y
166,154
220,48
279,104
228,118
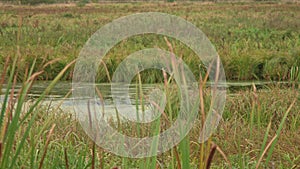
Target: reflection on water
x,y
61,95
62,88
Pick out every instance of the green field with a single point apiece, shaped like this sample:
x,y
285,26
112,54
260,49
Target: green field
x,y
255,41
260,126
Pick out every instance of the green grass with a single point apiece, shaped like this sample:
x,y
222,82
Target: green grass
x,y
256,41
68,140
39,137
251,46
68,145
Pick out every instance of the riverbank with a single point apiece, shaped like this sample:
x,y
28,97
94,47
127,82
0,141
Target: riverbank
x,y
256,41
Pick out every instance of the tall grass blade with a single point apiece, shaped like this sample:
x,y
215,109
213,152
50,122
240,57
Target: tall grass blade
x,y
30,123
4,72
12,128
46,145
211,155
265,139
265,150
151,162
66,158
185,152
278,131
10,81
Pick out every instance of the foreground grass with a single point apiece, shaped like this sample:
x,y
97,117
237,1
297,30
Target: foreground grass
x,y
256,41
259,128
69,147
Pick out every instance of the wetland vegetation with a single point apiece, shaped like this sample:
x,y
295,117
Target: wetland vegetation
x,y
260,126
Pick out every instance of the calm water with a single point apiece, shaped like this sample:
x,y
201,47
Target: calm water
x,y
62,88
61,95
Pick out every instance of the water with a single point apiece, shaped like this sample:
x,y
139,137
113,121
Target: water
x,y
61,95
62,88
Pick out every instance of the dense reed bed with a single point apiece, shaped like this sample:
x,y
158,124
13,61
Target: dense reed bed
x,y
259,128
256,41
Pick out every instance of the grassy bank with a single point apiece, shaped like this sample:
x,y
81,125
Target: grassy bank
x,y
259,129
256,41
69,145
